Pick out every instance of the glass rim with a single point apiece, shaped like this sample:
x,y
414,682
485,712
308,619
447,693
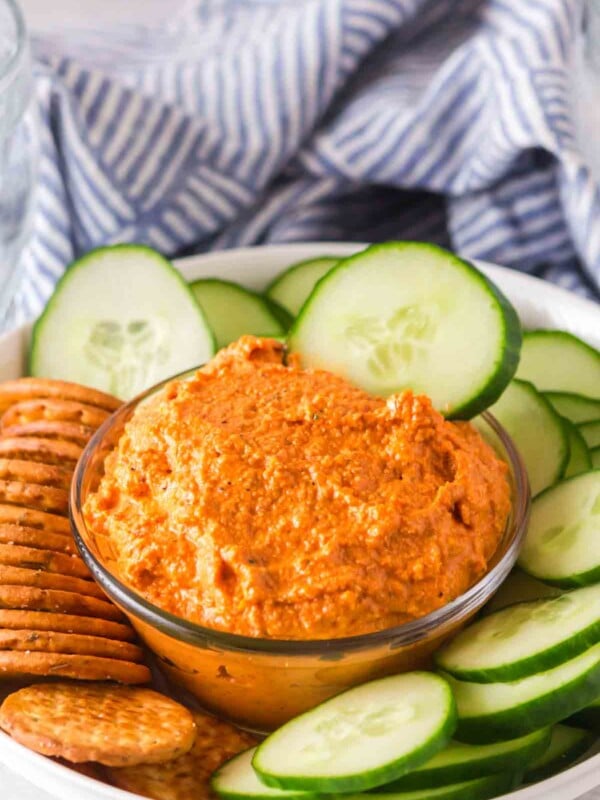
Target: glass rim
x,y
10,66
407,633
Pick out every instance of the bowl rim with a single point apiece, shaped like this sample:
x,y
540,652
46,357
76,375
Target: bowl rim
x,y
11,65
406,634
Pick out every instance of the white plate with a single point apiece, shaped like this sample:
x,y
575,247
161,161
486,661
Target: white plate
x,y
539,305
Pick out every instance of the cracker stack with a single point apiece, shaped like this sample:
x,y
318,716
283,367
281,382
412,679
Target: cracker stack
x,y
54,619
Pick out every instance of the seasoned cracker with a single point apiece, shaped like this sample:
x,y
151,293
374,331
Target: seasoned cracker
x,y
189,775
46,451
25,576
33,472
15,391
54,410
37,539
47,560
48,429
32,495
112,725
31,598
30,518
14,664
69,643
65,623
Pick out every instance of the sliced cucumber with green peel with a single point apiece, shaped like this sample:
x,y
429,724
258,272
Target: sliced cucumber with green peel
x,y
524,639
566,746
367,736
519,587
121,319
291,288
579,454
595,456
233,311
478,789
538,432
407,315
237,780
588,717
559,361
462,762
493,712
591,433
562,545
574,407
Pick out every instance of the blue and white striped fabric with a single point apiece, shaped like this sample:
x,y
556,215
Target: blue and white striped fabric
x,y
250,122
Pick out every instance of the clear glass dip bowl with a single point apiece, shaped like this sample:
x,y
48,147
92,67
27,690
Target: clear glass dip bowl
x,y
260,683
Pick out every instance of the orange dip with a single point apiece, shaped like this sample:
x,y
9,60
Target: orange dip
x,y
267,500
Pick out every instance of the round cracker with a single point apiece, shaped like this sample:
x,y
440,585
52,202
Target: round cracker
x,y
32,495
48,429
31,518
34,599
189,775
112,725
69,643
15,391
46,560
36,539
54,410
25,576
65,623
14,664
47,451
33,472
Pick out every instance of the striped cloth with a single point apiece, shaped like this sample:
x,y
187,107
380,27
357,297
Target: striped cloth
x,y
248,122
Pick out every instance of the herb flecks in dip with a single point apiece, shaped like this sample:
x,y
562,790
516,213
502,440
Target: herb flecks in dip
x,y
267,500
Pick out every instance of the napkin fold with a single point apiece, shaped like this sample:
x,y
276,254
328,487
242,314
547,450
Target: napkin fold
x,y
249,122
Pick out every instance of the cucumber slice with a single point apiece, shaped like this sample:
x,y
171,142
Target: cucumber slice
x,y
537,431
562,545
566,746
121,319
477,789
462,762
559,361
579,454
519,587
591,433
524,639
364,737
492,712
237,780
588,717
291,288
232,311
595,456
575,407
408,315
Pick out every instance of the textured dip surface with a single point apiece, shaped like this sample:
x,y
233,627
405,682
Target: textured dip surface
x,y
267,500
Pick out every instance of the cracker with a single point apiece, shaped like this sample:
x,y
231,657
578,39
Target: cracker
x,y
15,515
15,391
54,410
14,664
37,539
32,495
25,576
46,451
65,623
33,472
54,430
47,560
34,599
189,775
112,725
69,643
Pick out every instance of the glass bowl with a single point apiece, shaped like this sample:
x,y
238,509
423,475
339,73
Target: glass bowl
x,y
260,683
